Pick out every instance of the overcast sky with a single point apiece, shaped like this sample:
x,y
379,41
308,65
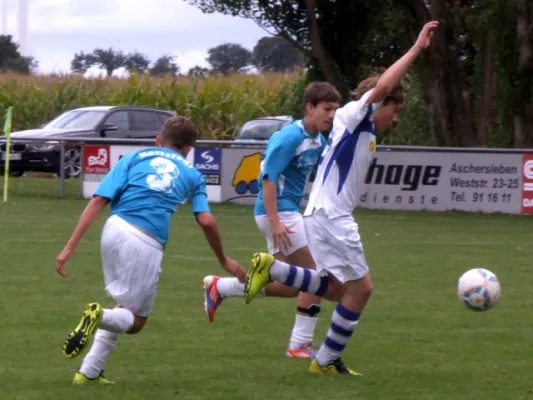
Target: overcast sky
x,y
59,28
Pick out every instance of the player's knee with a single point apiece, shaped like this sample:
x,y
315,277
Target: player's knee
x,y
367,286
360,289
138,325
335,290
366,290
311,311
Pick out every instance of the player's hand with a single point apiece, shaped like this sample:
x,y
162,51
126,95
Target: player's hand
x,y
61,260
280,236
235,269
426,34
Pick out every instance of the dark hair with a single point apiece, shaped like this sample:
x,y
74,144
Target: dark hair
x,y
395,96
178,132
318,92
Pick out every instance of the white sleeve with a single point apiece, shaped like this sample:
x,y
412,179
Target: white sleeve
x,y
354,112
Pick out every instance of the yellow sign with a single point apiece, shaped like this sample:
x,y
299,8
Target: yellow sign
x,y
247,173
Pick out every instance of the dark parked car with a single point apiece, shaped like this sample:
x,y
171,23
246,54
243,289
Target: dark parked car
x,y
89,122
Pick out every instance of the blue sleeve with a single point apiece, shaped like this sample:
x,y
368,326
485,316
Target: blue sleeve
x,y
199,201
315,168
116,179
279,153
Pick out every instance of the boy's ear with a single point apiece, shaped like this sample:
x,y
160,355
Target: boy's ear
x,y
158,141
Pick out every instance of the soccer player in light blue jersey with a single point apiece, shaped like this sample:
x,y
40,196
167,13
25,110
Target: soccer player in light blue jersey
x,y
144,189
291,154
342,271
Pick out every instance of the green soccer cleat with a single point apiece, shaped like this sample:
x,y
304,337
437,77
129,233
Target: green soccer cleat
x,y
258,275
337,367
78,338
80,379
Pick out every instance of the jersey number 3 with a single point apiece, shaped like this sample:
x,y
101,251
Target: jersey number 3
x,y
166,174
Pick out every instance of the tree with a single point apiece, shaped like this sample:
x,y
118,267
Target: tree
x,y
523,87
330,34
165,65
136,62
198,71
475,82
275,53
108,59
12,60
82,62
228,57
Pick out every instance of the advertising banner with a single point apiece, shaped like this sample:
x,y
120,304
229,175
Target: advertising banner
x,y
241,169
96,163
240,173
208,160
478,182
99,159
527,184
399,180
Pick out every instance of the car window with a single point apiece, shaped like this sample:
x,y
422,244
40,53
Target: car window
x,y
143,121
161,118
76,119
260,129
119,119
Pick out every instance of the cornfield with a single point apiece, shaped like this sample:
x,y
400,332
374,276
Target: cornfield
x,y
217,104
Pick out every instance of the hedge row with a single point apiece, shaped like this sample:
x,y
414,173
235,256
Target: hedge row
x,y
218,105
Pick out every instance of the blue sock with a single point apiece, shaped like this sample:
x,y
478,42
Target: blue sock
x,y
343,324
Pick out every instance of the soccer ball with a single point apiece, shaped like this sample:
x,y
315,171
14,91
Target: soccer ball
x,y
478,289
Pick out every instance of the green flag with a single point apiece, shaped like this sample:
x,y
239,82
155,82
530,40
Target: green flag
x,y
7,133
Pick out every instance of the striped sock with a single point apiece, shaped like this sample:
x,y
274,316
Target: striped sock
x,y
306,280
343,323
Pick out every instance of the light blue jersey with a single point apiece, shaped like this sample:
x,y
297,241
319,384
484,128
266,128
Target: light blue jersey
x,y
291,155
147,186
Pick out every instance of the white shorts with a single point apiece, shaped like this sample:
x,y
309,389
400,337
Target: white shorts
x,y
293,221
336,246
131,262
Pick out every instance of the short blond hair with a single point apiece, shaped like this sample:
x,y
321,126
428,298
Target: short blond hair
x,y
396,95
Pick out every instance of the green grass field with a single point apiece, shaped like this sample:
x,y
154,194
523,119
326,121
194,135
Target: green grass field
x,y
415,340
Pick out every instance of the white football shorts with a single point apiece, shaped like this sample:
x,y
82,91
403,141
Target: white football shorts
x,y
131,262
336,246
293,221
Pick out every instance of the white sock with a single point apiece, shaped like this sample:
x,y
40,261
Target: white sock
x,y
117,320
103,345
232,287
304,279
279,271
343,324
303,331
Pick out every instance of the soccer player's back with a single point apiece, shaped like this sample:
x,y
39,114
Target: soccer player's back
x,y
144,189
149,185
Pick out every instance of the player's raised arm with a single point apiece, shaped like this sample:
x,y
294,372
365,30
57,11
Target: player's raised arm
x,y
207,222
395,73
